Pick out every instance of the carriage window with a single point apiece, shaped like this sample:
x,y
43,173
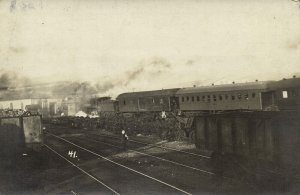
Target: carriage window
x,y
253,95
285,94
220,97
208,98
124,102
246,96
226,97
215,98
187,98
239,96
182,99
198,98
153,101
233,97
161,101
193,98
203,98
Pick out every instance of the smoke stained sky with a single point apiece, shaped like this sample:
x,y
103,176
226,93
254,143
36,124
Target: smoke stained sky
x,y
139,45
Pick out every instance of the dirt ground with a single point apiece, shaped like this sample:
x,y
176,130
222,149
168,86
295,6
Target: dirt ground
x,y
46,173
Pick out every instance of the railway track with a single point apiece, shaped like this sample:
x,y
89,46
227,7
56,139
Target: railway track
x,y
83,171
137,177
161,157
139,143
154,156
180,164
193,178
155,145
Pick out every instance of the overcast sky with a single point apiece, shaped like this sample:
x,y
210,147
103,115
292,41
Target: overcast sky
x,y
141,45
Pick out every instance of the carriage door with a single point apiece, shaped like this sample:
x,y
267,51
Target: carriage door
x,y
174,103
267,99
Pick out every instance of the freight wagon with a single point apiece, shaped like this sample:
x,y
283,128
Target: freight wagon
x,y
270,136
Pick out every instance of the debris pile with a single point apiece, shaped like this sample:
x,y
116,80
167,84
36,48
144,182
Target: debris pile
x,y
134,124
12,113
145,124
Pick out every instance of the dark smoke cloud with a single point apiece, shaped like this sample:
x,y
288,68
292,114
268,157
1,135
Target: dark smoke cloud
x,y
133,75
11,79
151,68
159,62
106,86
190,62
148,69
18,86
74,88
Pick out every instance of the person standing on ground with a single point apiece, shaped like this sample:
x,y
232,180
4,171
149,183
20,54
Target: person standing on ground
x,y
124,140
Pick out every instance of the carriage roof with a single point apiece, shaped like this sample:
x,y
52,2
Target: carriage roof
x,y
159,93
259,85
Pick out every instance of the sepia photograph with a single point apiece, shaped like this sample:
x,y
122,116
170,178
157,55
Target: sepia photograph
x,y
149,97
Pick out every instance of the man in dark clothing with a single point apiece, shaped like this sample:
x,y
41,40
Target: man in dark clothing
x,y
124,140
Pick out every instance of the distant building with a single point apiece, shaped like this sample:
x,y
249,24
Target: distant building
x,y
70,106
45,106
15,104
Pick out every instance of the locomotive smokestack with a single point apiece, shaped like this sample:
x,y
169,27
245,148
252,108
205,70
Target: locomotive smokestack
x,y
233,82
256,80
294,76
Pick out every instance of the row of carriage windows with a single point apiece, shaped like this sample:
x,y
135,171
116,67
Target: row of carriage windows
x,y
208,98
290,93
160,101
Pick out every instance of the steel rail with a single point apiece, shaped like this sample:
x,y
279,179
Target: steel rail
x,y
128,168
162,159
164,147
83,171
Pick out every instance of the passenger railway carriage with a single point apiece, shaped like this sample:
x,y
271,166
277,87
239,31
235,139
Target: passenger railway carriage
x,y
267,95
148,101
244,96
251,96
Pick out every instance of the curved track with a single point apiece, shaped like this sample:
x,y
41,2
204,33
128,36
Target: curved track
x,y
154,145
188,178
143,179
83,171
153,156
